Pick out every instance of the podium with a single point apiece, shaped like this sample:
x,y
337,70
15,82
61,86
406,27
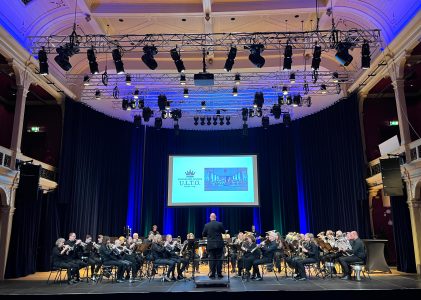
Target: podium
x,y
375,261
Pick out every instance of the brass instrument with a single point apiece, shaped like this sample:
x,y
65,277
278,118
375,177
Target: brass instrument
x,y
96,246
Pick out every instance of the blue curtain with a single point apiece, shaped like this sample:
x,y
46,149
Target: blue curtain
x,y
94,172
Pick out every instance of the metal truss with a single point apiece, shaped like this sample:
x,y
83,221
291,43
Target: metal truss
x,y
328,39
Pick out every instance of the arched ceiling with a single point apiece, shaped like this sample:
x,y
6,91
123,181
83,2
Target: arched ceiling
x,y
46,17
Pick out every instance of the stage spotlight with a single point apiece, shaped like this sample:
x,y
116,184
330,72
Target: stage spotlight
x,y
255,55
229,63
167,105
237,79
208,121
323,89
186,93
202,121
176,114
215,120
245,129
265,122
175,55
365,56
86,80
285,90
296,101
317,53
335,77
235,91
119,65
93,65
136,94
183,79
203,104
228,120
147,114
342,55
125,104
148,57
128,79
132,104
137,120
287,119
292,78
287,57
259,99
281,100
196,120
162,100
276,111
43,62
158,123
64,54
308,101
97,94
289,100
245,113
141,104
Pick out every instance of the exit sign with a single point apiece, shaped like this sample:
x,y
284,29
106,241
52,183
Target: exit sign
x,y
393,123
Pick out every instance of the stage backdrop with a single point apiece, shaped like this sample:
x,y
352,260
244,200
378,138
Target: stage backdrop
x,y
310,174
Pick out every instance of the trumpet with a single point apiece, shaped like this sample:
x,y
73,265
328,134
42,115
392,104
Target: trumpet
x,y
96,246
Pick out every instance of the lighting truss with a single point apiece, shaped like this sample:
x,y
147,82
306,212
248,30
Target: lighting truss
x,y
328,39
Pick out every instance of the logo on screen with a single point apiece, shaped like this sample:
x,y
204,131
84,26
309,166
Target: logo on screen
x,y
226,179
190,173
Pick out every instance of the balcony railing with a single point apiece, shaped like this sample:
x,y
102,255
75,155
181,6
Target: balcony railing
x,y
47,171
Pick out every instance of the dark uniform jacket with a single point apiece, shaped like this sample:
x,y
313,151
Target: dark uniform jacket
x,y
213,231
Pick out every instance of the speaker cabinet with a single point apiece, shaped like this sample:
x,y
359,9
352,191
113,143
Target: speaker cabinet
x,y
391,175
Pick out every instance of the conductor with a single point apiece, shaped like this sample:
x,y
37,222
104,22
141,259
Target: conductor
x,y
215,245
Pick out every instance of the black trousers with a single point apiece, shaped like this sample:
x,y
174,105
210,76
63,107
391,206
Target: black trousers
x,y
164,261
345,261
233,260
69,266
95,263
215,262
117,263
260,261
245,262
298,264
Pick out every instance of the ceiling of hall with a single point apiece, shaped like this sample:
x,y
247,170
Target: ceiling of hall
x,y
45,17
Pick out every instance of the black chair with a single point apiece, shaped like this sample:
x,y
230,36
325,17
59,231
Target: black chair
x,y
109,271
267,267
153,269
314,269
57,270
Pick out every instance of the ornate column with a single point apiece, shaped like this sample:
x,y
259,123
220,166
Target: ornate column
x,y
415,214
6,217
23,83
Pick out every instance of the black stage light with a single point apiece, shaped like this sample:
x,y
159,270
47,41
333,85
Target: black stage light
x,y
287,57
93,65
285,90
308,101
167,105
289,100
255,55
162,100
317,53
208,121
158,123
183,79
306,88
202,121
64,54
148,57
245,113
281,100
132,104
97,94
296,101
365,56
215,120
287,119
323,89
292,78
119,65
136,94
245,129
176,114
186,93
259,112
176,128
235,91
141,103
342,55
137,120
228,120
229,63
335,77
259,99
128,79
86,80
237,79
43,62
203,104
147,114
125,104
265,122
196,120
221,121
175,55
276,111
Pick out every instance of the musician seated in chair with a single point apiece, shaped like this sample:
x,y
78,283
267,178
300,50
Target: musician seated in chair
x,y
93,258
173,248
357,254
309,254
190,254
61,259
249,254
159,257
279,252
75,253
106,252
268,248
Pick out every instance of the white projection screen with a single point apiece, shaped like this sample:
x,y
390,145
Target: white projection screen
x,y
213,180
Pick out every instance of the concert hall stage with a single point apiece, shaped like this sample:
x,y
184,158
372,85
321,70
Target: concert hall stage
x,y
378,286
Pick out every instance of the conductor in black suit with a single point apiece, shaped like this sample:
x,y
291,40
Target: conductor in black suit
x,y
215,245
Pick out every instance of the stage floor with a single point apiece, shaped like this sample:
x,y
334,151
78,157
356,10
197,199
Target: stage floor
x,y
36,284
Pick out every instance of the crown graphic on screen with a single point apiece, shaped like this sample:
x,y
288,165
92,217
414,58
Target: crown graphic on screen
x,y
190,173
